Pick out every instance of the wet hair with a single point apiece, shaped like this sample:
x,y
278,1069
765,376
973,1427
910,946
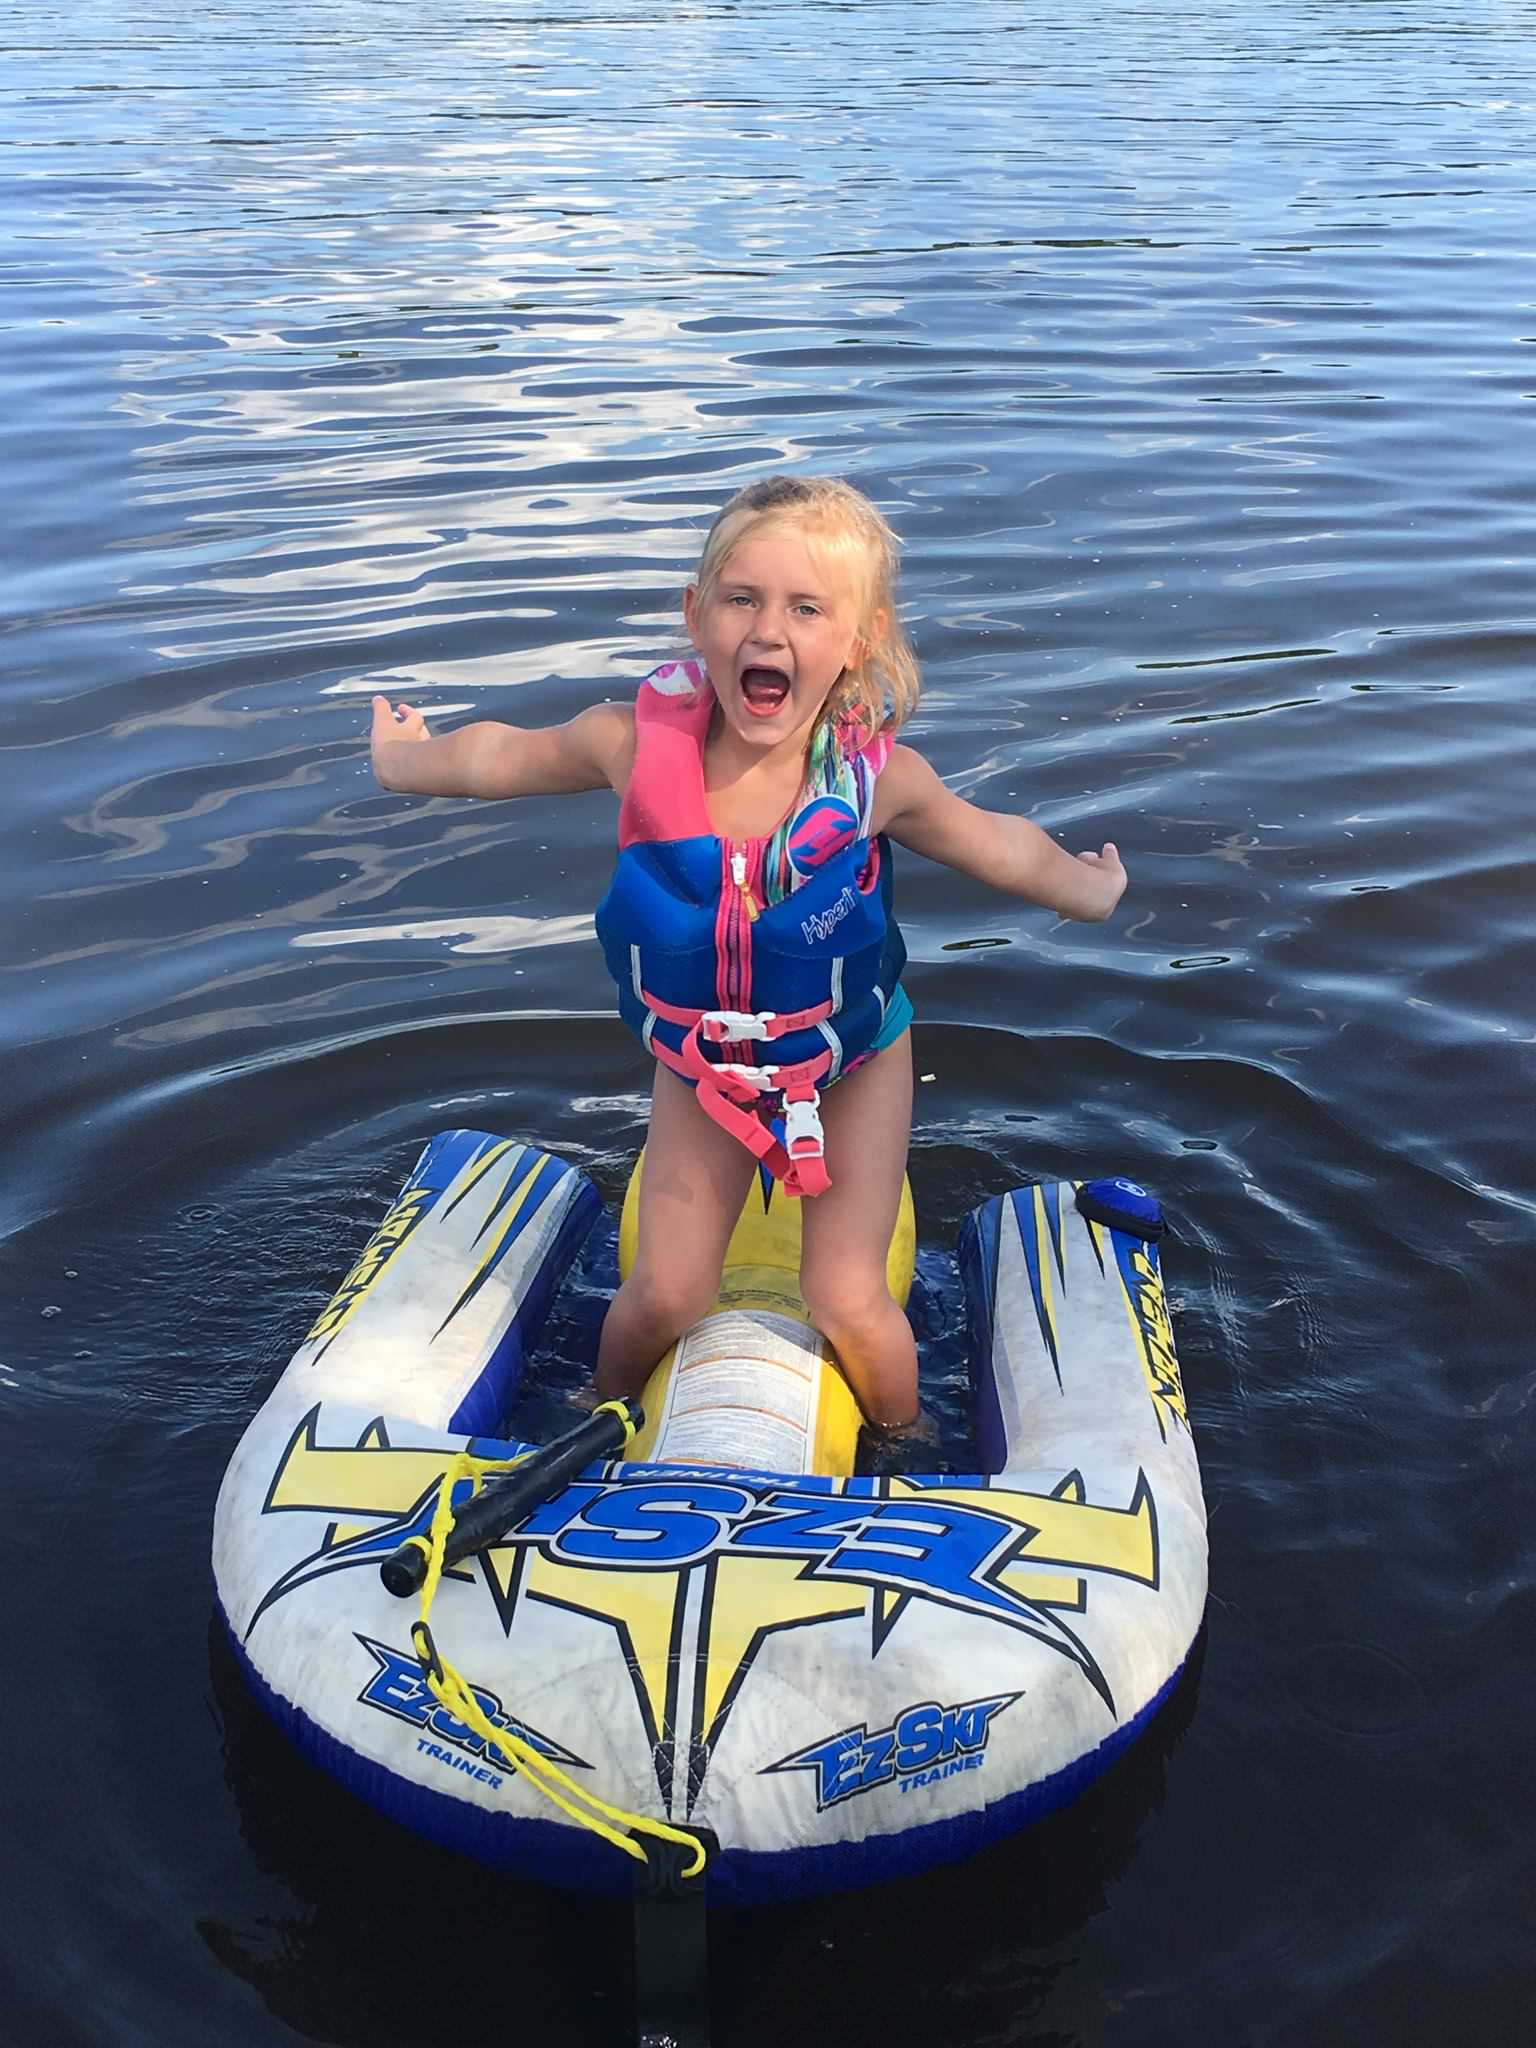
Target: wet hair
x,y
848,537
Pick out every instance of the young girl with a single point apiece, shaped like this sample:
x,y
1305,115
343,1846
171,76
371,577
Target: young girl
x,y
749,924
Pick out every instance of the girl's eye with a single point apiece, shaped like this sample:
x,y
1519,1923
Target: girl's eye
x,y
809,611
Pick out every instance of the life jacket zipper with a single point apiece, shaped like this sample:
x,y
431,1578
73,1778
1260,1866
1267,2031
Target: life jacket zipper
x,y
739,877
738,912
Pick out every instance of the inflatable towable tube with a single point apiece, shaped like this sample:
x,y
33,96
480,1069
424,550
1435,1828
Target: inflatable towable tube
x,y
837,1678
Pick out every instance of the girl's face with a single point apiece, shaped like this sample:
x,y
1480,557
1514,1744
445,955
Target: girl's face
x,y
775,636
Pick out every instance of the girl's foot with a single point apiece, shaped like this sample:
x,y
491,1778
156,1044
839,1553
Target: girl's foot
x,y
886,1449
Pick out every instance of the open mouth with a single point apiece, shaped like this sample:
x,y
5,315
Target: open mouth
x,y
764,690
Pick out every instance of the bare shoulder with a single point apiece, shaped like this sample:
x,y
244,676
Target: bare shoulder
x,y
908,787
925,815
604,734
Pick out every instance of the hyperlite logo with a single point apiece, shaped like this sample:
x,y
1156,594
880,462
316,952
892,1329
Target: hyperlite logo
x,y
926,1743
821,922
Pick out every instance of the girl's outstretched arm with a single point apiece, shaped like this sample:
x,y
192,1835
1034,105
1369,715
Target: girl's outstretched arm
x,y
593,750
917,810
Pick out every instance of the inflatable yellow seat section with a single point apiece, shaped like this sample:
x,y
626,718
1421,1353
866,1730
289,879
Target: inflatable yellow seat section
x,y
754,1386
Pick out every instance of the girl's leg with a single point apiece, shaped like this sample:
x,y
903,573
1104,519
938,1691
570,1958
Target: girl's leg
x,y
691,1193
847,1233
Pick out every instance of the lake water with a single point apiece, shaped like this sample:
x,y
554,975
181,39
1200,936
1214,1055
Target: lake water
x,y
1191,354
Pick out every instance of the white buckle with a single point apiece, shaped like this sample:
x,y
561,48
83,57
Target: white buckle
x,y
718,1025
803,1135
760,1078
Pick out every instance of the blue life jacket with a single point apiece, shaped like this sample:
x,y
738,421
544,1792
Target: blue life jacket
x,y
712,973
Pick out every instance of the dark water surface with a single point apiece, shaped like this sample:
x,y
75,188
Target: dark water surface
x,y
1191,352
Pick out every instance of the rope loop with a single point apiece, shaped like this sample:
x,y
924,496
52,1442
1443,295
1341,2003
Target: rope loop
x,y
614,1823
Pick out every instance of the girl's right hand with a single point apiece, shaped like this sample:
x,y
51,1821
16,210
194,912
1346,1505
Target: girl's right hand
x,y
391,723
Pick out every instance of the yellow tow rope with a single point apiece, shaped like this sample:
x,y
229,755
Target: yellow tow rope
x,y
448,1685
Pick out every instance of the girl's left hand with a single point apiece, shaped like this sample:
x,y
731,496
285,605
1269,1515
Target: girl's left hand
x,y
1109,877
391,723
396,722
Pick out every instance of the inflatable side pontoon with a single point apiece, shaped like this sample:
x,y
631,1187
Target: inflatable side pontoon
x,y
833,1679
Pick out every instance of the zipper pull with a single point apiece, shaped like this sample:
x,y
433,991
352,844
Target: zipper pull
x,y
739,877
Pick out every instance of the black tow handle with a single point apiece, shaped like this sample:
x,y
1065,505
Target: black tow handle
x,y
493,1510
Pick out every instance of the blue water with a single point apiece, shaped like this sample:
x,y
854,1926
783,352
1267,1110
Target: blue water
x,y
1191,356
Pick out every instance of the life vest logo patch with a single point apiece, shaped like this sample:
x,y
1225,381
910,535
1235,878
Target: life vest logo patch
x,y
822,829
676,679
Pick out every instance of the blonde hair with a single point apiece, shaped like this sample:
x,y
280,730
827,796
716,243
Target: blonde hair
x,y
847,535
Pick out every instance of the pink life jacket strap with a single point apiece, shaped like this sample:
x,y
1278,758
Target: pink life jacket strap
x,y
804,1143
799,1162
733,1027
